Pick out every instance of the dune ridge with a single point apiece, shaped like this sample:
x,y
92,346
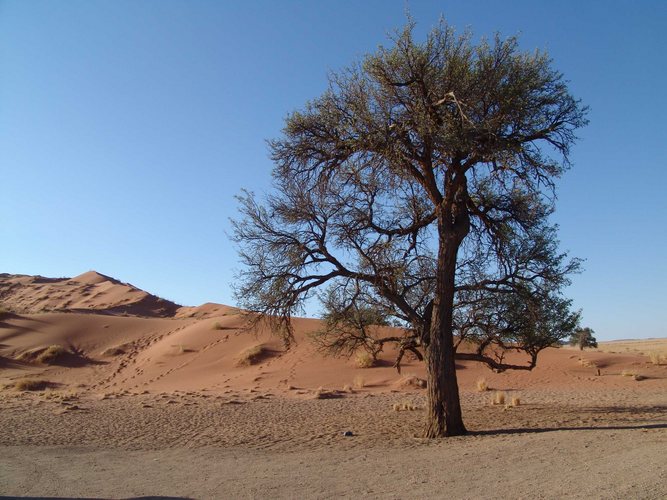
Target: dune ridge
x,y
121,338
88,292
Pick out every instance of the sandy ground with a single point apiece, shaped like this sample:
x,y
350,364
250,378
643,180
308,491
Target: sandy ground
x,y
561,464
150,399
575,444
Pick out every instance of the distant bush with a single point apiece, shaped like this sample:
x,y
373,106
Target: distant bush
x,y
584,338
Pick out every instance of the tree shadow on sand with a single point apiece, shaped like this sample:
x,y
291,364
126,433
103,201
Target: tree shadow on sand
x,y
540,430
100,498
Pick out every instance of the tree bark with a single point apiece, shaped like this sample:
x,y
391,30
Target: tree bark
x,y
444,406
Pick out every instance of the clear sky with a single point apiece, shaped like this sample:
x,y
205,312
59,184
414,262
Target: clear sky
x,y
127,127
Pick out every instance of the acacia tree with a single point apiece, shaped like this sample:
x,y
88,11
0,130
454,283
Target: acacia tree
x,y
418,189
583,337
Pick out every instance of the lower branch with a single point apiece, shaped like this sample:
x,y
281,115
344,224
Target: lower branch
x,y
498,366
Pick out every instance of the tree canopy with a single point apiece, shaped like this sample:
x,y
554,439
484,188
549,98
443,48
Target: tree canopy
x,y
417,190
583,337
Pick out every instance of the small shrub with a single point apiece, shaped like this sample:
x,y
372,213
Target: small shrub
x,y
638,377
499,398
217,326
628,373
251,355
482,385
364,359
51,354
32,385
516,401
348,388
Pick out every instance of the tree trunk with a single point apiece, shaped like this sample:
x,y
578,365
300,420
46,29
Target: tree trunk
x,y
444,405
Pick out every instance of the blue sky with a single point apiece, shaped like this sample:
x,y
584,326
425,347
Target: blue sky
x,y
127,127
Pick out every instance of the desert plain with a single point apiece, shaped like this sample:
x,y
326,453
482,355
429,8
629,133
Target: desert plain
x,y
111,392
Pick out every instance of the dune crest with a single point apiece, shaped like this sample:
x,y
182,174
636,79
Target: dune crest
x,y
94,278
88,292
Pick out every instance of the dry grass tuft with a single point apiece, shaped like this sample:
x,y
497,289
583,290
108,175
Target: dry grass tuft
x,y
113,351
405,406
587,363
348,388
51,354
364,359
217,326
359,382
498,398
252,355
32,385
632,373
411,381
181,349
322,393
657,358
482,385
28,355
516,401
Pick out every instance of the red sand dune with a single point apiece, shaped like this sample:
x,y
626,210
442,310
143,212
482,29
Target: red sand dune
x,y
126,339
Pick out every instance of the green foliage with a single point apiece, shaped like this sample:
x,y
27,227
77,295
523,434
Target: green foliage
x,y
583,337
